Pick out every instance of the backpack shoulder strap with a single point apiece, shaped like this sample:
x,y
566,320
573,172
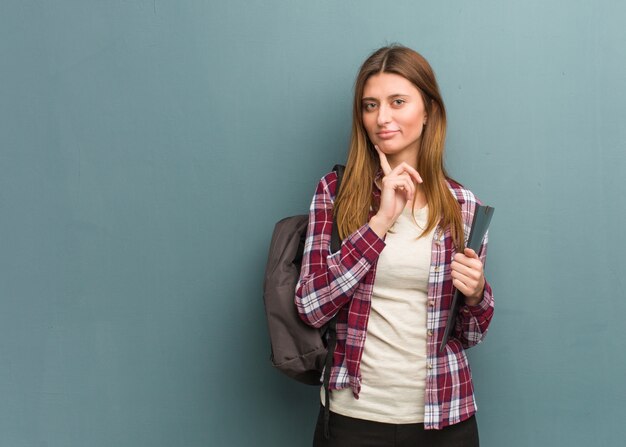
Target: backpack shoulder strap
x,y
335,245
335,241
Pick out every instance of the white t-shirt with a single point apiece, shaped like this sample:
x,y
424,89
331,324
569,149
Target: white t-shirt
x,y
393,366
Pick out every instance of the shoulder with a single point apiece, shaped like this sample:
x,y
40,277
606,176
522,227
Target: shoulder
x,y
328,184
464,196
467,201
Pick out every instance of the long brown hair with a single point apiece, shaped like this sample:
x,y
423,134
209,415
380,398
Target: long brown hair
x,y
355,196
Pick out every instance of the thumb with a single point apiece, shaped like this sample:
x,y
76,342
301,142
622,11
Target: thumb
x,y
470,253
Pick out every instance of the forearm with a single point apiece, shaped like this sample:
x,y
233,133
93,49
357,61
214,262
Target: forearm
x,y
379,226
328,281
474,319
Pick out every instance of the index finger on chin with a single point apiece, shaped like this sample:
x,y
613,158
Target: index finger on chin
x,y
384,164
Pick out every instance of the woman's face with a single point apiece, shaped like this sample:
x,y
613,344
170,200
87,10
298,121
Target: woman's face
x,y
393,115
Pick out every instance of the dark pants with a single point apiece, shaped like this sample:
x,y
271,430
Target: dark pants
x,y
350,432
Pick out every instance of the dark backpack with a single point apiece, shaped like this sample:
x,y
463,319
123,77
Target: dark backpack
x,y
298,350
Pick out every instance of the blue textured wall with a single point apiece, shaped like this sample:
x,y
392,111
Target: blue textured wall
x,y
148,147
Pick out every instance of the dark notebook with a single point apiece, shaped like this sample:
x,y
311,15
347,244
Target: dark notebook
x,y
480,224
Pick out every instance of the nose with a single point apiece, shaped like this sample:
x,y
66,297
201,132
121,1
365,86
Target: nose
x,y
384,115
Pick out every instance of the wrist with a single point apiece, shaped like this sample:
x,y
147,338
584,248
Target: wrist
x,y
379,226
475,300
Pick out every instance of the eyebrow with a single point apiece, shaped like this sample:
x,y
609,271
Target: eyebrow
x,y
395,95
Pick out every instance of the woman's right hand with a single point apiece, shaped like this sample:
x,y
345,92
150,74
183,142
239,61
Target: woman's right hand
x,y
398,188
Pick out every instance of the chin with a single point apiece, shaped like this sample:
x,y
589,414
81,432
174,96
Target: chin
x,y
389,149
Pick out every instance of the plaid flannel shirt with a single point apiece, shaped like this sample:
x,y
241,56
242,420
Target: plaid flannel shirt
x,y
342,282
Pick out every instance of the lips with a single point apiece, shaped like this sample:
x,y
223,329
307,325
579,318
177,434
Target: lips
x,y
386,134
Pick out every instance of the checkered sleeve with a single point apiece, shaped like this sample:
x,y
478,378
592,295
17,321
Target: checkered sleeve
x,y
328,280
474,320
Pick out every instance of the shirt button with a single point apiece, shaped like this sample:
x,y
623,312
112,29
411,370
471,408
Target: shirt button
x,y
431,303
438,268
429,365
430,332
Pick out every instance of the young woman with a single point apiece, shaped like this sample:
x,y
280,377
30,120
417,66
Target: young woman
x,y
404,224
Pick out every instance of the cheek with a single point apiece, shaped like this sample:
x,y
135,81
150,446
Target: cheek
x,y
413,122
369,125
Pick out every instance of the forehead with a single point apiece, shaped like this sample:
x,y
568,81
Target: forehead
x,y
382,85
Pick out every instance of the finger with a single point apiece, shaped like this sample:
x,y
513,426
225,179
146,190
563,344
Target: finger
x,y
472,272
470,279
470,253
467,286
399,182
409,180
409,188
405,167
473,262
406,176
462,287
399,185
384,164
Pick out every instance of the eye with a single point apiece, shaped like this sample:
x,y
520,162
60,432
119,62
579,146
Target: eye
x,y
368,106
398,102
